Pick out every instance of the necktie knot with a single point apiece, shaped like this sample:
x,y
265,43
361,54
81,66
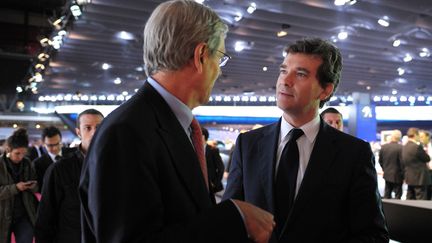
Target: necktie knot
x,y
295,133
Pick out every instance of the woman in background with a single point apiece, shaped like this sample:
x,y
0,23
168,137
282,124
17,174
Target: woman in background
x,y
17,184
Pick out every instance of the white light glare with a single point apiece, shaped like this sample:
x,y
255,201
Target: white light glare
x,y
424,52
251,8
343,35
19,89
396,43
125,35
343,2
264,69
403,98
394,92
200,1
384,21
76,11
421,98
106,66
117,80
401,71
377,99
411,99
238,17
239,46
407,58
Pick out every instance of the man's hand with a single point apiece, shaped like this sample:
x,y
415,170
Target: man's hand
x,y
259,223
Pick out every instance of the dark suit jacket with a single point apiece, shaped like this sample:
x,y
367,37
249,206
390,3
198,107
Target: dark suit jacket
x,y
390,159
337,201
215,169
142,182
42,163
415,161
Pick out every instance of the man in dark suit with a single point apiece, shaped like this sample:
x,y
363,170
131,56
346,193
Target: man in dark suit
x,y
215,166
390,159
323,186
415,159
52,140
144,178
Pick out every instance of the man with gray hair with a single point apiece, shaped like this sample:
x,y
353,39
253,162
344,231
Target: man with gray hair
x,y
390,159
145,177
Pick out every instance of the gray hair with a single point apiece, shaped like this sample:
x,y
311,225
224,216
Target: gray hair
x,y
173,31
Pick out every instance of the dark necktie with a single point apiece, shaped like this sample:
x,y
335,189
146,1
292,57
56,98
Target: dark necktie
x,y
286,179
198,143
57,158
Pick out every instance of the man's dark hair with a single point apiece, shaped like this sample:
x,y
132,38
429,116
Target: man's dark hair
x,y
330,110
88,112
329,71
19,139
205,133
50,132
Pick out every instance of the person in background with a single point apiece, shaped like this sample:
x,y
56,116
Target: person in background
x,y
333,117
215,166
17,184
58,217
424,137
415,159
52,140
144,178
320,183
390,159
36,149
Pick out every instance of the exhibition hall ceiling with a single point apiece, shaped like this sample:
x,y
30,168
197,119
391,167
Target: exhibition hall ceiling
x,y
385,44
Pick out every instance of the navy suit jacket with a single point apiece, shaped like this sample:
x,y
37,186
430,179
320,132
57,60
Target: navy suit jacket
x,y
337,201
142,182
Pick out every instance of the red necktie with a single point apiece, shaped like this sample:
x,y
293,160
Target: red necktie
x,y
198,144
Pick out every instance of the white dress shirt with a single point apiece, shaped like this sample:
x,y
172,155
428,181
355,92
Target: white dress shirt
x,y
305,144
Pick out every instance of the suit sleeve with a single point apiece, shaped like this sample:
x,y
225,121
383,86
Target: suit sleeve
x,y
234,188
125,195
366,214
47,215
422,155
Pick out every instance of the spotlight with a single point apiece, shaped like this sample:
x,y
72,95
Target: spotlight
x,y
252,7
76,11
384,21
396,42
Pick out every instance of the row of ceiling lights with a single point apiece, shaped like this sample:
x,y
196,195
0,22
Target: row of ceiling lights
x,y
49,44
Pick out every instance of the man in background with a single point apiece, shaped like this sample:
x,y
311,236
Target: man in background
x,y
58,218
390,159
333,117
424,137
215,166
52,140
415,159
320,183
145,177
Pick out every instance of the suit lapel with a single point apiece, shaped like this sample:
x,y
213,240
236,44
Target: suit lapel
x,y
322,157
267,152
181,151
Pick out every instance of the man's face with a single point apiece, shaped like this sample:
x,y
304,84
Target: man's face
x,y
87,128
213,71
424,139
298,90
334,120
53,144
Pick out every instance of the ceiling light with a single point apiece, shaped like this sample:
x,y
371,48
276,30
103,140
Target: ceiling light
x,y
76,11
368,87
125,93
45,41
424,52
200,1
111,97
343,35
393,99
401,71
62,33
339,2
394,92
407,58
106,66
19,89
57,23
83,2
384,21
421,98
396,42
117,80
264,69
284,53
251,8
282,33
239,46
411,99
136,90
124,35
102,97
238,17
40,66
377,99
351,2
43,57
385,98
403,98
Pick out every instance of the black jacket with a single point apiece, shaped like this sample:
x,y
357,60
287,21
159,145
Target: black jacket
x,y
58,218
215,169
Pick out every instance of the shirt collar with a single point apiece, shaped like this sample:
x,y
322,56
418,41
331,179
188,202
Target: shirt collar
x,y
310,129
52,156
181,111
